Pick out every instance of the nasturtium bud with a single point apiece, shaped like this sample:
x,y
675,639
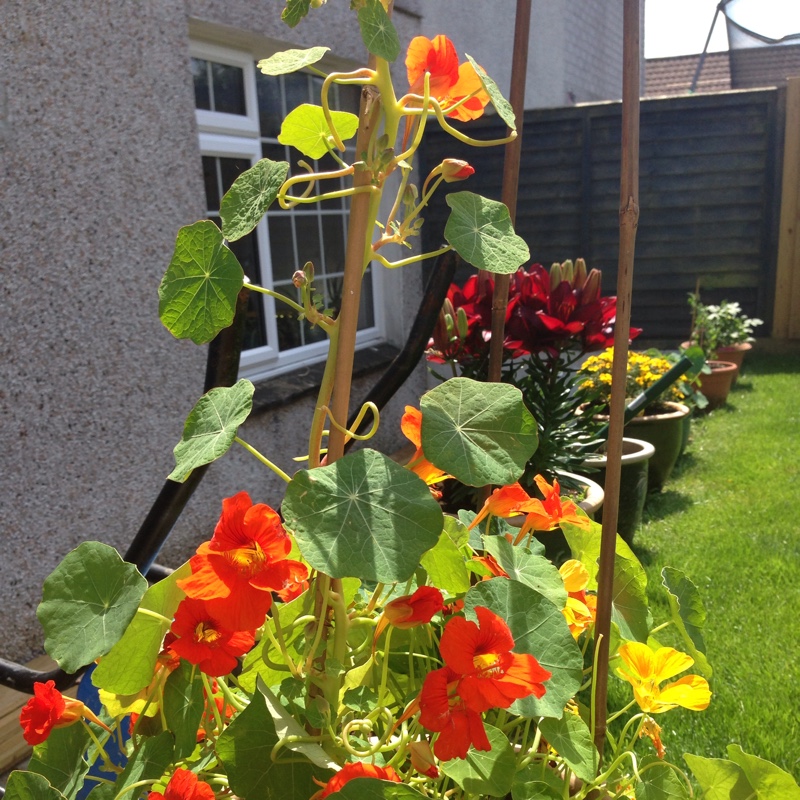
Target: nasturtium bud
x,y
299,279
454,169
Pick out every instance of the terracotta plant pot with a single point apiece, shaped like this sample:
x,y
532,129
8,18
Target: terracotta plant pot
x,y
636,455
717,385
734,353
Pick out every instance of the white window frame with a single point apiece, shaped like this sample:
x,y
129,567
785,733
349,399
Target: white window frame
x,y
239,136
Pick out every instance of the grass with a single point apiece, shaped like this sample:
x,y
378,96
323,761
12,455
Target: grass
x,y
729,519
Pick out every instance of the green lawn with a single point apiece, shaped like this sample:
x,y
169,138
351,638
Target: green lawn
x,y
729,519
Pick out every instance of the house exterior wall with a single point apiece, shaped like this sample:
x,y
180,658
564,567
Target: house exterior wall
x,y
574,53
100,167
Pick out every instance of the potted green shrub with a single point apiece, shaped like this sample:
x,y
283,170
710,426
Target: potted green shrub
x,y
725,333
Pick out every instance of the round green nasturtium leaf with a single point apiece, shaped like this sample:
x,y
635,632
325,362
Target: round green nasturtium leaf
x,y
307,129
87,603
131,662
480,231
502,106
480,433
363,517
251,194
245,750
659,781
60,759
571,738
295,11
291,60
211,427
538,628
689,615
30,786
184,704
488,772
445,564
538,781
378,31
531,569
197,295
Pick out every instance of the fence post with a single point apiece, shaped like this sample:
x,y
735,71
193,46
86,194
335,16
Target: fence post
x,y
786,316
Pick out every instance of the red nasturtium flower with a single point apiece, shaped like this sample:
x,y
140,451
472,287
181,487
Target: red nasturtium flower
x,y
411,610
184,785
357,769
411,425
443,711
49,709
204,641
243,563
414,609
449,81
491,675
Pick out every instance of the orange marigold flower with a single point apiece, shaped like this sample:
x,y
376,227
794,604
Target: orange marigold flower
x,y
443,711
204,641
245,561
492,676
449,81
645,669
411,425
357,769
49,709
184,785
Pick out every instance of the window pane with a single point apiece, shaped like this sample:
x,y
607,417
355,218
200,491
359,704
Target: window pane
x,y
281,247
274,152
202,94
366,315
246,251
333,238
296,87
228,89
269,104
308,244
289,335
231,169
212,185
328,164
349,99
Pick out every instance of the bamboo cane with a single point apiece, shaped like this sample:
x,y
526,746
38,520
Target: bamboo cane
x,y
519,68
629,217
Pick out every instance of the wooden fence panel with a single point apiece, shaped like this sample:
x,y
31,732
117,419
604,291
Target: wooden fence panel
x,y
708,195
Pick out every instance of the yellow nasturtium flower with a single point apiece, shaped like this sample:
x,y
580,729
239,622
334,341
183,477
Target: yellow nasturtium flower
x,y
645,669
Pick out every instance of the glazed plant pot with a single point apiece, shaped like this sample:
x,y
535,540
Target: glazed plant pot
x,y
717,384
665,432
636,455
686,432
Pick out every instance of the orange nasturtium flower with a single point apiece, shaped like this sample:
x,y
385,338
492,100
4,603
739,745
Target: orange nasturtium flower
x,y
581,608
203,640
449,81
357,769
411,425
645,669
443,711
491,675
548,514
49,709
243,563
184,785
504,502
490,563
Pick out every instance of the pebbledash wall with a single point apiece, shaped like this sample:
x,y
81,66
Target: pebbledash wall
x,y
100,167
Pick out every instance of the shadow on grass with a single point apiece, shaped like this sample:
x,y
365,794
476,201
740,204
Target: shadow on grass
x,y
660,505
773,363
